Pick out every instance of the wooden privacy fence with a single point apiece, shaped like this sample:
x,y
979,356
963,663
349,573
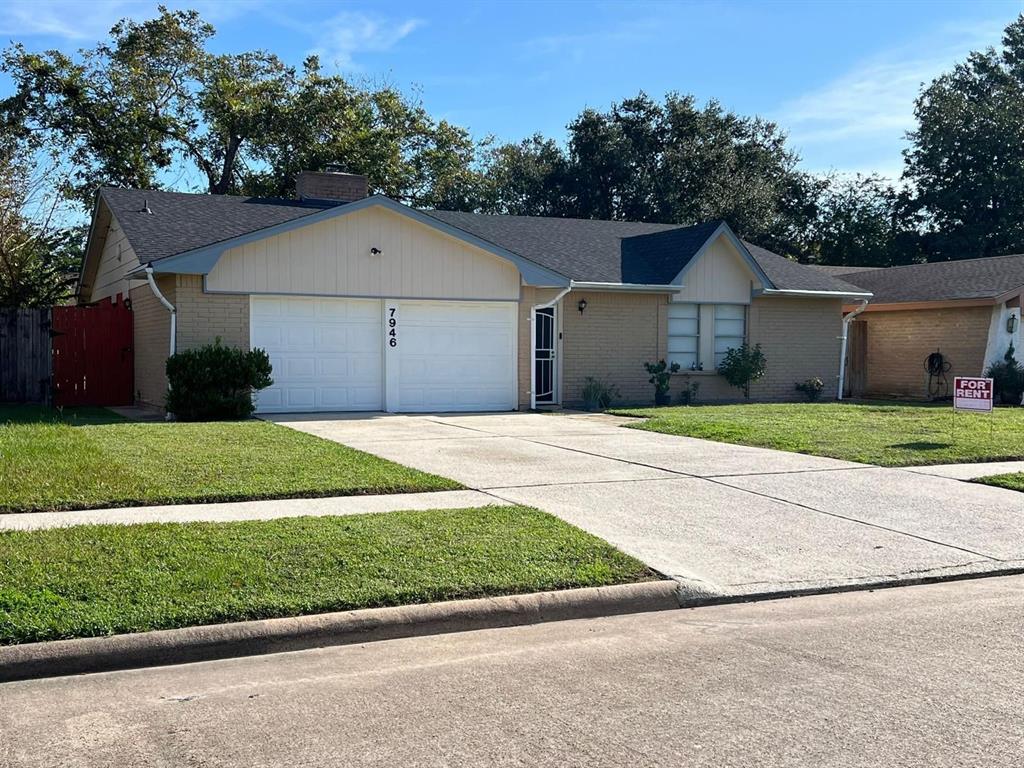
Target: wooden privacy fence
x,y
93,360
67,355
25,355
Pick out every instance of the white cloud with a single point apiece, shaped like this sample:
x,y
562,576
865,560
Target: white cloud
x,y
875,100
341,38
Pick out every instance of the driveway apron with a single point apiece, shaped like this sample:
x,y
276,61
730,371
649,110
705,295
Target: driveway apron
x,y
729,520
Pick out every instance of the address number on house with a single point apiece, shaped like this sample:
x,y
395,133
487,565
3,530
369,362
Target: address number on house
x,y
972,393
391,320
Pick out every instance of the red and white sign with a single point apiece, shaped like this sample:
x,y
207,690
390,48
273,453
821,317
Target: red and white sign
x,y
971,393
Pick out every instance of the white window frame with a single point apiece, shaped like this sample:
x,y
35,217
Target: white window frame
x,y
725,331
679,331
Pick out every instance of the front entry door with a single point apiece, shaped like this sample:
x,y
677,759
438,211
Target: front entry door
x,y
545,346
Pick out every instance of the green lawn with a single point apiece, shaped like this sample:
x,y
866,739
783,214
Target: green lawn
x,y
1013,481
90,458
892,435
104,579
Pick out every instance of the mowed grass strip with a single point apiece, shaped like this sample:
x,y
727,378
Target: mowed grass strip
x,y
1014,481
98,580
892,435
57,465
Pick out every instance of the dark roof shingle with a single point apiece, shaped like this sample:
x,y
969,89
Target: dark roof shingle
x,y
983,278
585,250
181,221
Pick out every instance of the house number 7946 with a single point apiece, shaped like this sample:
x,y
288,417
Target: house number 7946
x,y
392,327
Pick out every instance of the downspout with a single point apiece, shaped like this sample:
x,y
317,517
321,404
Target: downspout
x,y
842,348
163,300
533,342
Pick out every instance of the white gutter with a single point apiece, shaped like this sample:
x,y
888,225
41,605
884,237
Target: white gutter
x,y
163,300
636,287
842,347
801,292
533,340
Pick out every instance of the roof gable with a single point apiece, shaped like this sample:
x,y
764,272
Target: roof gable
x,y
188,232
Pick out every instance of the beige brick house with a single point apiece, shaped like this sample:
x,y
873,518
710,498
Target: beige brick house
x,y
967,311
366,304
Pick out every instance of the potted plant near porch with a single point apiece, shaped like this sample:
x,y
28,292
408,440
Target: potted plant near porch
x,y
661,377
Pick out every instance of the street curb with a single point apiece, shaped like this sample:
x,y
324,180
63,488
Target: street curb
x,y
250,638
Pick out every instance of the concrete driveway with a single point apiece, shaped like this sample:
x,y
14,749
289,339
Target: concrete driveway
x,y
723,519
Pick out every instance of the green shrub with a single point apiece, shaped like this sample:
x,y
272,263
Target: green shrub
x,y
811,388
215,383
1008,378
598,395
742,366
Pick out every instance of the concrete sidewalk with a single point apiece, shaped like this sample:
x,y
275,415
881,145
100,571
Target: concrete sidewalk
x,y
732,520
248,510
970,471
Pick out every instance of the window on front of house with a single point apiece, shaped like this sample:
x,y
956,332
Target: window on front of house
x,y
730,329
684,335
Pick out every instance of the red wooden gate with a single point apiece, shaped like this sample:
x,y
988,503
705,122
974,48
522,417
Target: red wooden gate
x,y
93,360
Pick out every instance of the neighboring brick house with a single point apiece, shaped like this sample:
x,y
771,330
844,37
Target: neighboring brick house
x,y
367,304
968,311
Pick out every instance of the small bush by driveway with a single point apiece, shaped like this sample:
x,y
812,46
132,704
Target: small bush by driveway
x,y
1014,481
87,581
82,460
891,435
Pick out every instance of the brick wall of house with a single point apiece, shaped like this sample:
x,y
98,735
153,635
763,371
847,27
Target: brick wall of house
x,y
800,340
611,341
151,327
621,331
899,342
202,317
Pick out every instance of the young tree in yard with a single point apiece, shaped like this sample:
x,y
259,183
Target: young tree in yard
x,y
966,159
154,101
742,366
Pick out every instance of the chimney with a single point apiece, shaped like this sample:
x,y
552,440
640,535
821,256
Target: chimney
x,y
331,184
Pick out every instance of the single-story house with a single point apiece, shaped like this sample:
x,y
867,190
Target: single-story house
x,y
967,311
366,304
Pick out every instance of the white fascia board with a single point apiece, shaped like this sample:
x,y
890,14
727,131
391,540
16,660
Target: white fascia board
x,y
798,292
628,287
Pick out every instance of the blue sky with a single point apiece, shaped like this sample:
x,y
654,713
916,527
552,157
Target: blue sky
x,y
839,77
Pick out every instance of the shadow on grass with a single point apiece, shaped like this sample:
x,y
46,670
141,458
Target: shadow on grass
x,y
921,446
13,413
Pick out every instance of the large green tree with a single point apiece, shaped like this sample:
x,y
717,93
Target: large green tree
x,y
153,103
670,161
966,159
861,222
38,259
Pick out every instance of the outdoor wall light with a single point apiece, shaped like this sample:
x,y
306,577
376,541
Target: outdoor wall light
x,y
581,305
1011,323
376,251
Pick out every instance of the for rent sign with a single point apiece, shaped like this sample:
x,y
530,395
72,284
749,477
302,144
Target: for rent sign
x,y
972,394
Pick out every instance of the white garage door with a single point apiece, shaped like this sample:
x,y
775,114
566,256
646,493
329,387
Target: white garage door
x,y
326,353
333,354
451,356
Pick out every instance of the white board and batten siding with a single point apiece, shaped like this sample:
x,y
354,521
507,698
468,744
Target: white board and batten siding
x,y
719,276
334,258
117,259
